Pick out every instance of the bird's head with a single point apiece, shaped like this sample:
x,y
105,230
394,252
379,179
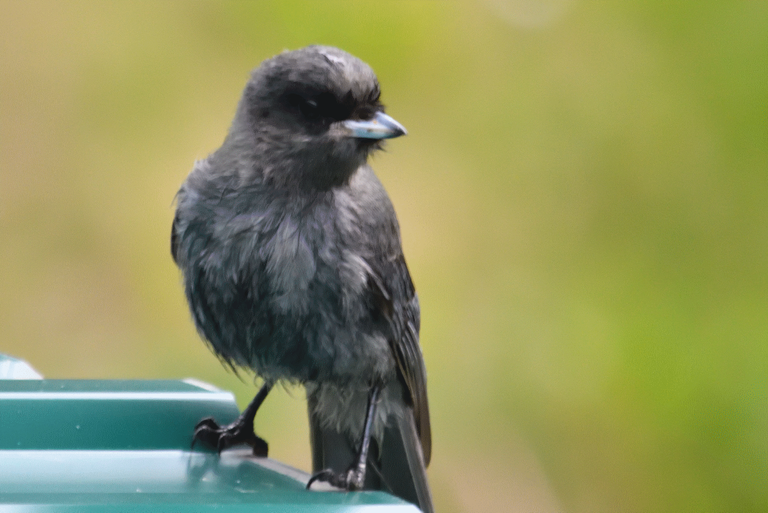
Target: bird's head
x,y
313,116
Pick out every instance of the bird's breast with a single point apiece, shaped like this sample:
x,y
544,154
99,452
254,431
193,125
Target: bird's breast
x,y
283,288
310,263
291,264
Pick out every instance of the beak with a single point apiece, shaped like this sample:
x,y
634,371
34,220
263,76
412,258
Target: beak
x,y
380,126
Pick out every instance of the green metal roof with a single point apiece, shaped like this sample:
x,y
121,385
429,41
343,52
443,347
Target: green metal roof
x,y
124,445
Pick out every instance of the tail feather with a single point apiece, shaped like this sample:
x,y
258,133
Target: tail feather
x,y
402,463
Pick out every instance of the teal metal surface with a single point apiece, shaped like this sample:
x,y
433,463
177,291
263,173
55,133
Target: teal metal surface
x,y
166,481
124,445
119,414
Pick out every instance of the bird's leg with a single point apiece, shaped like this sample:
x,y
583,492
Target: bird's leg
x,y
239,432
354,477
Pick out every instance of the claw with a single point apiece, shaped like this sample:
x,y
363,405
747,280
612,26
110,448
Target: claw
x,y
211,434
323,476
203,431
351,480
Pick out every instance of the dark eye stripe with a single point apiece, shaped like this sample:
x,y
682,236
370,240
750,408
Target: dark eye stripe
x,y
319,106
331,108
325,107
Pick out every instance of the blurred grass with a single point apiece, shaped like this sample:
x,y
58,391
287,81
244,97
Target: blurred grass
x,y
582,196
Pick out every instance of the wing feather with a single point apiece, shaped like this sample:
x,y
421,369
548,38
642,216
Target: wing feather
x,y
398,302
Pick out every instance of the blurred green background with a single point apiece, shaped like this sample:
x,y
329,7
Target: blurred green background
x,y
583,200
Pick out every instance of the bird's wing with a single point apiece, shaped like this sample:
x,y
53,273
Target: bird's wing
x,y
396,299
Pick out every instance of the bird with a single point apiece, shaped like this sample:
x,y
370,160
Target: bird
x,y
293,268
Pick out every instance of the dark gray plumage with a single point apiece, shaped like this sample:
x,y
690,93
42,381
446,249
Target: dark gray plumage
x,y
292,264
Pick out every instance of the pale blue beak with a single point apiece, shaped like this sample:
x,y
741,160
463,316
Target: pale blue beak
x,y
380,126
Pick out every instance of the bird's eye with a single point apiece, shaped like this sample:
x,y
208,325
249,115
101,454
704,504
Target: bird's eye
x,y
319,107
309,109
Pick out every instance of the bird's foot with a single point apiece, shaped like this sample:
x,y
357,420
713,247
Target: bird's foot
x,y
351,480
240,432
